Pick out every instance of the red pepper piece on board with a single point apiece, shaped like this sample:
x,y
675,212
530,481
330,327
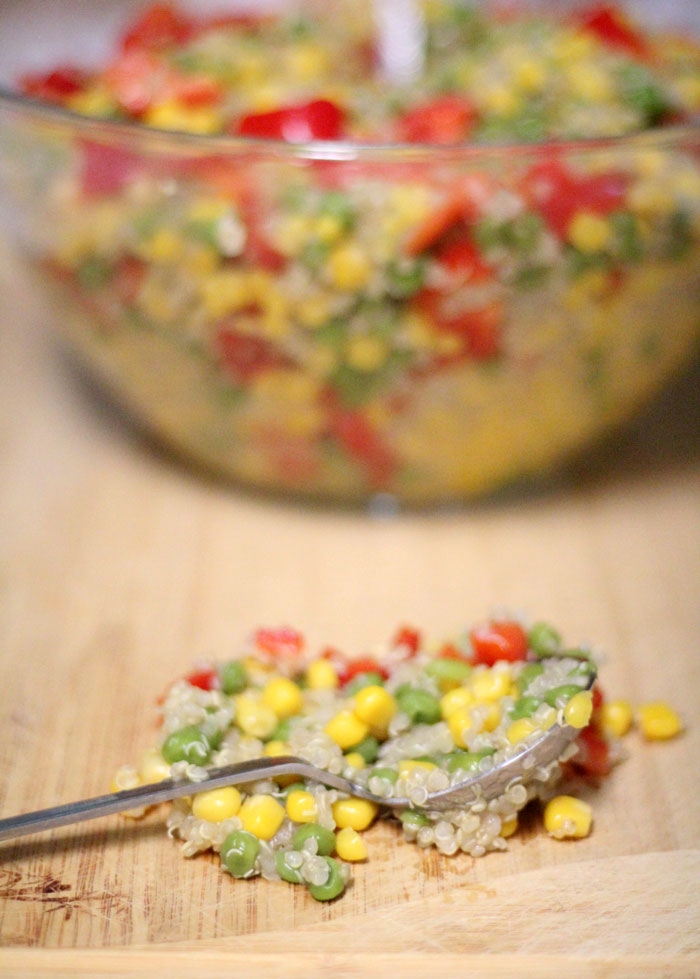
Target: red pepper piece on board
x,y
593,756
498,641
408,637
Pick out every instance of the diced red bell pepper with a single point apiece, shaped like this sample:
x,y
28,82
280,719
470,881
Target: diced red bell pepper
x,y
205,679
449,651
194,91
138,78
160,26
320,119
245,356
55,86
443,121
355,667
462,204
498,641
598,696
611,27
362,442
282,644
558,194
593,756
480,329
107,169
462,258
408,637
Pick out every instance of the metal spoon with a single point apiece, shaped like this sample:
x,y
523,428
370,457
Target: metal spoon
x,y
483,786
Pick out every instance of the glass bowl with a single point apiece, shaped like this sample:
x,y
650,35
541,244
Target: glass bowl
x,y
205,280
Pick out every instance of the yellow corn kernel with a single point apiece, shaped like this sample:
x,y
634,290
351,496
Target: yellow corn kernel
x,y
493,718
346,729
157,301
348,268
313,311
328,228
616,717
375,706
687,184
688,90
175,116
261,815
225,292
251,67
658,721
491,684
153,767
355,759
589,232
301,806
199,259
207,209
217,804
321,675
275,749
570,46
650,197
307,60
293,233
530,75
283,696
411,203
408,765
365,352
508,827
520,729
501,100
578,711
458,722
164,247
350,846
590,82
649,163
355,813
94,101
567,817
457,699
254,717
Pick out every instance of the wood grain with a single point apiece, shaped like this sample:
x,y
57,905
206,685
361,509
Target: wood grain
x,y
120,567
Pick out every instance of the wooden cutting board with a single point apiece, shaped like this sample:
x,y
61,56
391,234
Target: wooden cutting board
x,y
119,568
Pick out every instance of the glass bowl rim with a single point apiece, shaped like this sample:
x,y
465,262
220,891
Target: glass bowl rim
x,y
338,150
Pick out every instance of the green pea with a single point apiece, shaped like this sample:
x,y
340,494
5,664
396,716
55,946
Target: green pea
x,y
364,680
448,670
524,231
543,639
390,774
528,674
213,735
467,761
411,817
584,668
325,838
420,706
314,254
93,273
290,874
334,886
337,205
561,694
238,852
368,748
294,787
188,744
233,677
405,278
281,732
525,707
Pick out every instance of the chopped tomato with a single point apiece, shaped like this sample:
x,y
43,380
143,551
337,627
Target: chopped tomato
x,y
611,27
593,756
558,194
461,258
284,643
408,637
206,679
362,442
480,329
598,696
55,86
449,651
246,356
194,91
319,119
355,667
159,26
463,204
444,121
498,641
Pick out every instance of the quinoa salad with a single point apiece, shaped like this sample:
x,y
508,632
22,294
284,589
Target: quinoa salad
x,y
433,322
413,719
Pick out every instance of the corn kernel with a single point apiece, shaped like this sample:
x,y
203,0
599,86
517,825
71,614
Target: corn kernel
x,y
164,246
346,729
650,197
365,352
501,100
321,675
492,719
375,706
688,90
307,60
275,749
217,804
94,101
313,311
348,268
490,685
589,232
293,233
578,711
301,806
408,765
411,203
590,82
508,827
355,759
530,75
199,259
261,815
355,813
153,767
329,228
658,721
350,846
520,730
283,696
616,717
567,817
225,292
173,115
254,717
457,699
571,46
459,721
